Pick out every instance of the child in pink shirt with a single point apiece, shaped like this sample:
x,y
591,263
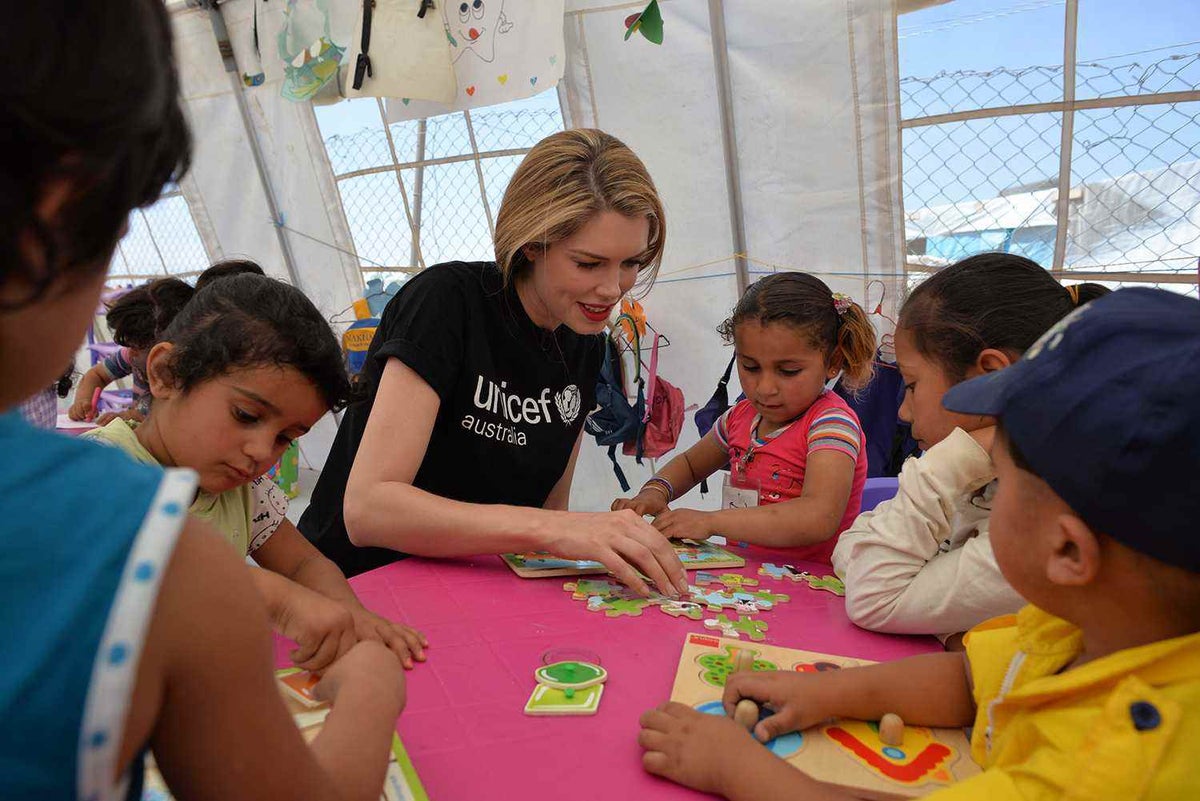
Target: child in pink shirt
x,y
795,451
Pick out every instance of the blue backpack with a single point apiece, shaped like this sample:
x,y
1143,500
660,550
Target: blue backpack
x,y
615,420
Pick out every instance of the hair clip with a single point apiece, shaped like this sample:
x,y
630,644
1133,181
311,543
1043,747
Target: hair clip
x,y
841,303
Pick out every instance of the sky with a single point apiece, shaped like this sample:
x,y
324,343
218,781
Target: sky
x,y
978,159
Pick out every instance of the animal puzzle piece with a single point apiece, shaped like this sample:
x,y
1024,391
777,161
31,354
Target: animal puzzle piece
x,y
831,584
731,581
617,607
780,572
687,609
716,668
917,760
768,599
718,600
736,628
582,589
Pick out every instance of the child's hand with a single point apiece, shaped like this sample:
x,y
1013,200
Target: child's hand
x,y
322,628
646,502
367,663
81,408
797,699
685,524
701,751
405,642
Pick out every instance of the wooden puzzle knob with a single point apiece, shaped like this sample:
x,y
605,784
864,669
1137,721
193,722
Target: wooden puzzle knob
x,y
891,729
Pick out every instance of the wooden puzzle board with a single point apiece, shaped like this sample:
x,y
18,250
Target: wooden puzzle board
x,y
847,754
695,555
401,782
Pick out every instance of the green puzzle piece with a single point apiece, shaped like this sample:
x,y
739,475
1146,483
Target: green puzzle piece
x,y
616,607
772,597
828,583
749,626
717,667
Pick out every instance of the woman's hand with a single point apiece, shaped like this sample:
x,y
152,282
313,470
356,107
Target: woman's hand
x,y
686,524
625,544
647,502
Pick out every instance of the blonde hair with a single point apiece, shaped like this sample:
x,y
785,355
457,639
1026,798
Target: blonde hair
x,y
565,180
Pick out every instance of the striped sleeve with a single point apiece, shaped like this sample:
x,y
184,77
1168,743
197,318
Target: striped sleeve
x,y
118,364
720,428
836,430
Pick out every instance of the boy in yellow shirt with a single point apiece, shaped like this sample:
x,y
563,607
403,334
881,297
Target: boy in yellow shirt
x,y
1092,691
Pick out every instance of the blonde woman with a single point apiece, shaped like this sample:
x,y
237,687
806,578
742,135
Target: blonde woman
x,y
480,376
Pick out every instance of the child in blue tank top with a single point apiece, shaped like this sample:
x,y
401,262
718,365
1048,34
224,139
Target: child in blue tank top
x,y
126,626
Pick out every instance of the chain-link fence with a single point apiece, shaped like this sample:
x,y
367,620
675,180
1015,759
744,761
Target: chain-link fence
x,y
162,240
425,191
982,159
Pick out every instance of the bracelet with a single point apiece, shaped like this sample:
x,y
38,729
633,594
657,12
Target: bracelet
x,y
662,484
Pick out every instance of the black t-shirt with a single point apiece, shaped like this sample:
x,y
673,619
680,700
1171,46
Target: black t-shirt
x,y
513,399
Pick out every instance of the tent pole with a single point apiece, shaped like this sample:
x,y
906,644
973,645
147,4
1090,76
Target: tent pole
x,y
231,69
733,181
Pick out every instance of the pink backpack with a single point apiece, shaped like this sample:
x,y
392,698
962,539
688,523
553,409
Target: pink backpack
x,y
663,418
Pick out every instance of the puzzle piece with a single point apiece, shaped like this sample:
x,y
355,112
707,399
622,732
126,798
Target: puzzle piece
x,y
751,627
617,607
687,609
770,598
582,589
717,667
919,758
780,572
731,581
831,584
715,600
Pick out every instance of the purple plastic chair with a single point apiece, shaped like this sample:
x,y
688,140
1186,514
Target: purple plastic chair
x,y
878,490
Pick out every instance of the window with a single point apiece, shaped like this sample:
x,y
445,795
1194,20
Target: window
x,y
162,240
426,191
995,126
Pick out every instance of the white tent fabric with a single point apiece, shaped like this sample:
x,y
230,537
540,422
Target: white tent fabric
x,y
814,109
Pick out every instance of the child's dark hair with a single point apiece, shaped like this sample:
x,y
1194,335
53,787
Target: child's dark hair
x,y
247,321
138,318
990,300
224,269
96,105
806,303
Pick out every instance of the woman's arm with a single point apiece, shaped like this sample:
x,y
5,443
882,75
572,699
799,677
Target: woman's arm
x,y
807,520
382,507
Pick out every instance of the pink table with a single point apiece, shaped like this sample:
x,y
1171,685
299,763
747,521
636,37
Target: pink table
x,y
464,726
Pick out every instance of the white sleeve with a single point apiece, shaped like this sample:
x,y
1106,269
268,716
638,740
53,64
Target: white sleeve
x,y
270,509
897,578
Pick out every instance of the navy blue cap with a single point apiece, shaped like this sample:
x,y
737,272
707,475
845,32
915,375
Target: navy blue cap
x,y
1105,408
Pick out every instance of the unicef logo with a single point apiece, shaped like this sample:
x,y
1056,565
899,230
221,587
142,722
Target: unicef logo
x,y
567,401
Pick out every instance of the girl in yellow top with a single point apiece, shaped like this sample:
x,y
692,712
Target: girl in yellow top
x,y
244,369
